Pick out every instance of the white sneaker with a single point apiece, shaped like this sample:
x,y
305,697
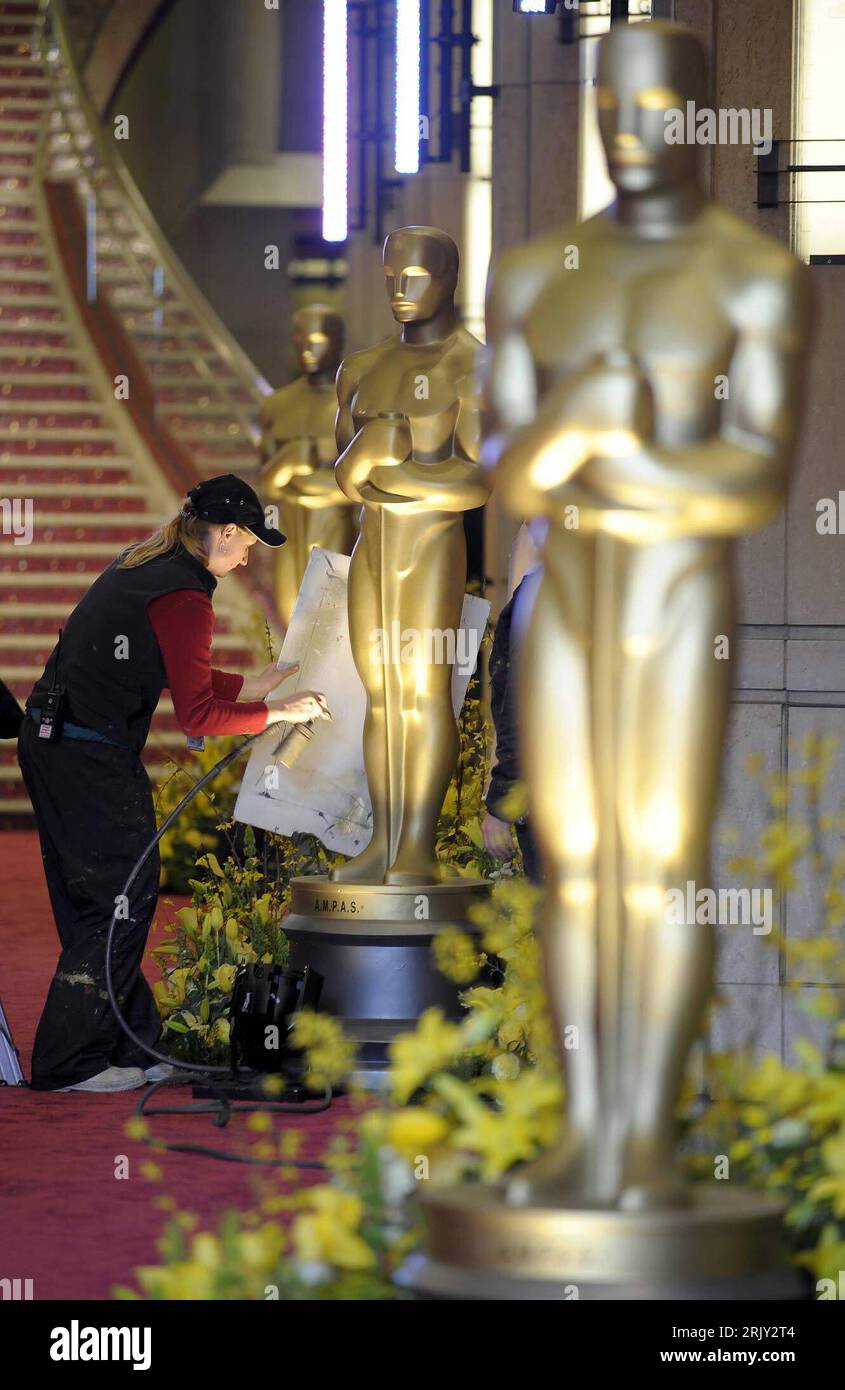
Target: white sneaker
x,y
112,1079
162,1071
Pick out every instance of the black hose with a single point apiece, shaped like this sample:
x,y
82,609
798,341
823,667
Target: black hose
x,y
138,866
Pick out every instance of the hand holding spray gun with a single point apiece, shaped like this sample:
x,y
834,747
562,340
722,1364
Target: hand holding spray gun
x,y
302,711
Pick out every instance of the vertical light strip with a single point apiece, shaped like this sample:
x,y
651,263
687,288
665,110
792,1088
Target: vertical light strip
x,y
407,87
478,199
335,120
819,213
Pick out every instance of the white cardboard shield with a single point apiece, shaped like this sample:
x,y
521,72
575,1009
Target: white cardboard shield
x,y
324,792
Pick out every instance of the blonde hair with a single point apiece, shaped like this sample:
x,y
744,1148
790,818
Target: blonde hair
x,y
186,529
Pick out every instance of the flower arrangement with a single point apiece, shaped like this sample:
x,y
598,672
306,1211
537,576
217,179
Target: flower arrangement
x,y
468,1100
240,893
235,915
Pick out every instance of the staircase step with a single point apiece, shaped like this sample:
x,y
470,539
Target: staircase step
x,y
27,277
35,388
25,112
103,528
40,554
66,589
41,617
30,333
16,298
20,260
14,162
29,361
65,472
89,522
66,414
20,134
17,241
54,435
23,90
25,258
22,650
31,309
196,411
80,496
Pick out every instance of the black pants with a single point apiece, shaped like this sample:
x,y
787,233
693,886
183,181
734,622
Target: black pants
x,y
530,856
94,811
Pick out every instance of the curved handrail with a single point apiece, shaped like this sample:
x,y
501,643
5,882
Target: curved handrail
x,y
223,341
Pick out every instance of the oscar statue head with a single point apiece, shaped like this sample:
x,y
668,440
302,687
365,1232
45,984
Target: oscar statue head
x,y
420,272
646,71
318,339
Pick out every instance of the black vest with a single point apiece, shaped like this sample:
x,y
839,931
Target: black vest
x,y
110,663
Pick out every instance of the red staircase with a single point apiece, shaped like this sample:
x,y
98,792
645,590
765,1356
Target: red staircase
x,y
68,449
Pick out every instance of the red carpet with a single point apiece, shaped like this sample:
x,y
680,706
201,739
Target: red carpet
x,y
65,1221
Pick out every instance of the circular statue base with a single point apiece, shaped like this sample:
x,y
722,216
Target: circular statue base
x,y
372,945
724,1245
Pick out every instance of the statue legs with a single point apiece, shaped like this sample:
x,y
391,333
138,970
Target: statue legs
x,y
406,581
624,706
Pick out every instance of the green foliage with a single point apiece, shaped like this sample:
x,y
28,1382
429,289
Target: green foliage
x,y
197,829
235,916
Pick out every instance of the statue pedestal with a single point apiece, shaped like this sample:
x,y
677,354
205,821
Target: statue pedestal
x,y
727,1244
372,945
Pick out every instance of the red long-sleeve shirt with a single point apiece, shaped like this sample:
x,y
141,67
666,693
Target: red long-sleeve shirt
x,y
204,699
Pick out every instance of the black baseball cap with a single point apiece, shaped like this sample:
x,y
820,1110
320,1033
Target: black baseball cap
x,y
230,499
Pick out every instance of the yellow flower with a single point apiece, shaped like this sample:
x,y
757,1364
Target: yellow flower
x,y
415,1131
185,1281
261,1249
329,1053
328,1233
206,1250
511,1033
455,955
224,977
832,1188
506,1067
499,1141
416,1056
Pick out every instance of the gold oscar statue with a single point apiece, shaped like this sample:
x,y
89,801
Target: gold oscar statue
x,y
604,384
297,427
408,429
408,432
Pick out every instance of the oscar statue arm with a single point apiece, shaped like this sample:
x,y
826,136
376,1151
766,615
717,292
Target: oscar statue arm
x,y
296,457
733,482
456,483
379,446
318,488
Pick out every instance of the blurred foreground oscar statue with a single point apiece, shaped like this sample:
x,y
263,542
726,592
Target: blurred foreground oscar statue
x,y
408,435
297,426
602,382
